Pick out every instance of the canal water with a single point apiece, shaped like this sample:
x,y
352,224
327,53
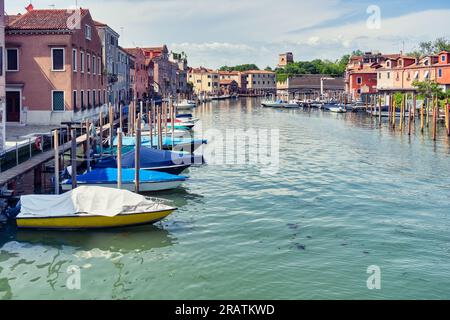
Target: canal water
x,y
347,195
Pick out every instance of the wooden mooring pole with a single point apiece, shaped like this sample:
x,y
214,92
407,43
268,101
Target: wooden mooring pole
x,y
73,157
56,148
137,154
119,158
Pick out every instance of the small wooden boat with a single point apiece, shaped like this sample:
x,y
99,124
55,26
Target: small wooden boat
x,y
149,181
89,208
185,105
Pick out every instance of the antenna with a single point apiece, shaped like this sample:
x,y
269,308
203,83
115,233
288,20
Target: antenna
x,y
121,31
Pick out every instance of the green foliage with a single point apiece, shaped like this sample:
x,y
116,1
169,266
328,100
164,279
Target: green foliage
x,y
427,48
268,68
357,53
241,68
317,66
429,88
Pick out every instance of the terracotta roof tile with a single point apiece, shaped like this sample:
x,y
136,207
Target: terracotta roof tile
x,y
54,19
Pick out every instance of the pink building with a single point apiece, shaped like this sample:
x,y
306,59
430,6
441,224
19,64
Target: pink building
x,y
164,75
140,74
53,66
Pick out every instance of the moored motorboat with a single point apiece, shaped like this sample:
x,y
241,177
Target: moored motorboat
x,y
153,159
89,207
337,109
149,181
185,104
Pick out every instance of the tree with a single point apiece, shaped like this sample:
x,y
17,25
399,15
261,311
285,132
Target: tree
x,y
268,68
357,53
241,68
429,89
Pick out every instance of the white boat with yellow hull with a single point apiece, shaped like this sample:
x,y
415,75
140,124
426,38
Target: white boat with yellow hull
x,y
89,208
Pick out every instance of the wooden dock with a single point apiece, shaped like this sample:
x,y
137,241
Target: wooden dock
x,y
25,167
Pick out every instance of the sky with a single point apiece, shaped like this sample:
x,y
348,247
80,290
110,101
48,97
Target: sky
x,y
214,33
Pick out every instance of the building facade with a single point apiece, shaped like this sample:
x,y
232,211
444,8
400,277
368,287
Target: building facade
x,y
239,77
163,70
140,74
310,83
54,70
204,81
260,80
284,59
180,65
114,62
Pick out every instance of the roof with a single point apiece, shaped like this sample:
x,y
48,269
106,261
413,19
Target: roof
x,y
100,24
133,51
47,19
227,81
229,73
202,70
259,72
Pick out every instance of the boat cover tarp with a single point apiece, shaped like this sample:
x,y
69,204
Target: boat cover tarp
x,y
90,200
109,175
151,158
131,141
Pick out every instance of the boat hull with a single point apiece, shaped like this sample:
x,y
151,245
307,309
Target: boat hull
x,y
143,186
92,221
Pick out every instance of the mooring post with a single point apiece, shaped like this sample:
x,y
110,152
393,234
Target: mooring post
x,y
137,155
73,156
111,127
88,146
119,158
101,134
56,149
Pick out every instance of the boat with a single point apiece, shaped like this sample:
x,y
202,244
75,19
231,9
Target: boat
x,y
149,181
153,159
185,104
291,104
337,109
89,207
273,103
179,143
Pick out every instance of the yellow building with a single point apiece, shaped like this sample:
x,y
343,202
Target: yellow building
x,y
204,80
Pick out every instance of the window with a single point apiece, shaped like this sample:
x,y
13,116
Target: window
x,y
427,75
416,75
88,93
88,32
93,98
74,100
58,59
88,62
359,91
82,100
74,60
12,59
359,80
388,75
209,84
82,61
440,73
99,67
58,100
443,58
99,97
379,75
94,69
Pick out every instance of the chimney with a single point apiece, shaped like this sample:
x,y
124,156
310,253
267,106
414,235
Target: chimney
x,y
29,8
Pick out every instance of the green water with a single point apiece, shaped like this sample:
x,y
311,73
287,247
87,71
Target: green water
x,y
348,195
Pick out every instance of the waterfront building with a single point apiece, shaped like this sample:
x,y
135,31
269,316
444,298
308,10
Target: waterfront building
x,y
204,81
123,77
239,77
284,59
228,87
260,80
2,78
443,70
164,84
310,84
54,70
115,62
362,73
140,74
180,65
